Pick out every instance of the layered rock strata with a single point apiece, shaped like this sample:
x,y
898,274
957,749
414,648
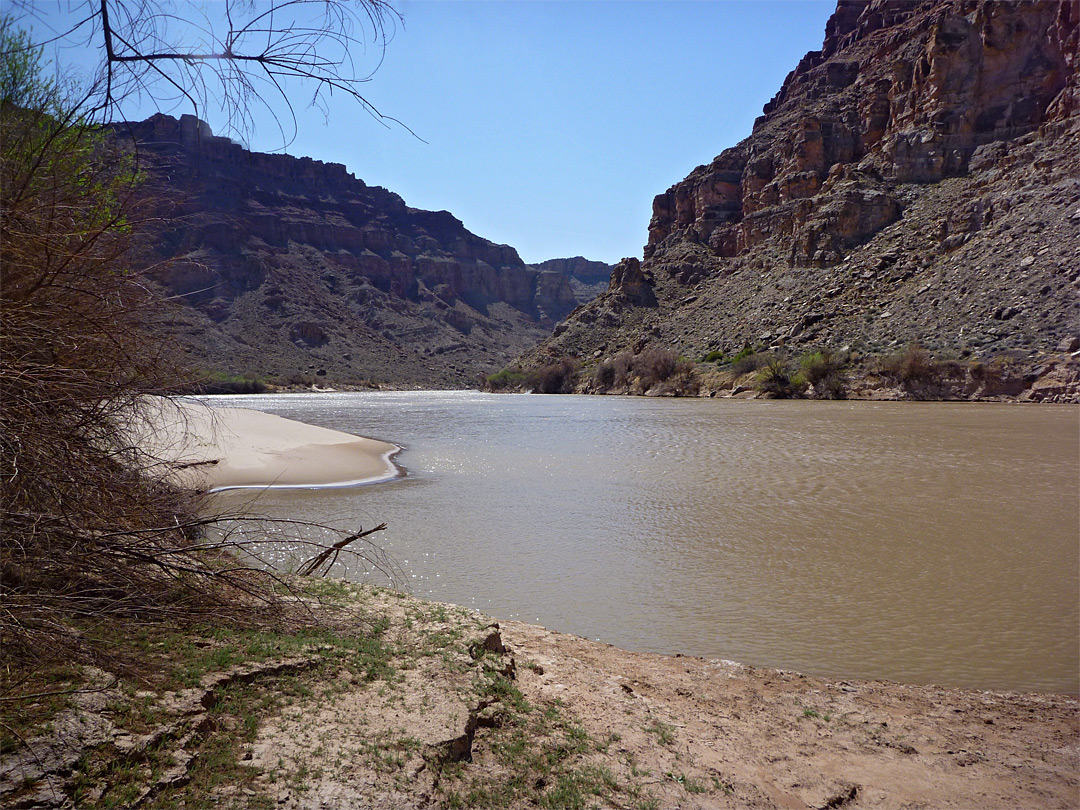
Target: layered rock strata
x,y
295,269
915,180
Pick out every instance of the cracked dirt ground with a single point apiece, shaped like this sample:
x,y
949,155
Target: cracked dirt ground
x,y
449,709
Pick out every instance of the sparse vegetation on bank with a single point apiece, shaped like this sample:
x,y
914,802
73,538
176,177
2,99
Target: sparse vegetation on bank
x,y
181,730
822,373
217,382
826,372
777,380
555,378
368,697
550,378
652,371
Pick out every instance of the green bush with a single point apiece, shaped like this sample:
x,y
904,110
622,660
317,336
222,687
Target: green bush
x,y
715,356
745,351
747,360
776,380
826,372
507,379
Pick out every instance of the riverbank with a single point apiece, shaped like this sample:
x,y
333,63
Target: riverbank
x,y
356,696
387,701
215,448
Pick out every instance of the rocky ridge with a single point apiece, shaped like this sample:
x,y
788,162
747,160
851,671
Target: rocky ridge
x,y
917,180
295,269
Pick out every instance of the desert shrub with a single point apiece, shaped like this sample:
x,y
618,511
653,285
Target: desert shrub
x,y
715,356
81,514
612,373
653,366
217,382
747,360
92,532
554,378
992,373
951,369
298,378
604,376
683,380
912,367
508,379
775,379
826,372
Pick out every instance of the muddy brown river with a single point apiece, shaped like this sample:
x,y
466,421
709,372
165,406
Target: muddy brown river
x,y
918,542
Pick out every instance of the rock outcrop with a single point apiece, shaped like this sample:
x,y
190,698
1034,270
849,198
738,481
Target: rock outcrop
x,y
295,269
915,180
587,278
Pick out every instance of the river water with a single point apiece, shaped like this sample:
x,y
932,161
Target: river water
x,y
918,542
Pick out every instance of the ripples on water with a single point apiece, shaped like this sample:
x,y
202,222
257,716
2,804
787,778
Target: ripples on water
x,y
912,541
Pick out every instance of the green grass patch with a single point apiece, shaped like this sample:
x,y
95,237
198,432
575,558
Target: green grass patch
x,y
665,734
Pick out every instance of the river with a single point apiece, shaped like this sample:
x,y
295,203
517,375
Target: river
x,y
918,542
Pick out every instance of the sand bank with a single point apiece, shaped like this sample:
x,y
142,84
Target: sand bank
x,y
227,448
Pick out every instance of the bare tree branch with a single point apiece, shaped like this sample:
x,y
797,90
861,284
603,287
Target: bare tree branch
x,y
238,56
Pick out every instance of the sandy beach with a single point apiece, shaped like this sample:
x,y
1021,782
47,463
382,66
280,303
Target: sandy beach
x,y
215,448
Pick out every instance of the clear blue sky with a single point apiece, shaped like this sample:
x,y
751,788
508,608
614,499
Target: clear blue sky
x,y
550,126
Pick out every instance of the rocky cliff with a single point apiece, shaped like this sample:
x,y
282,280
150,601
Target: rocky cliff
x,y
587,278
295,269
915,180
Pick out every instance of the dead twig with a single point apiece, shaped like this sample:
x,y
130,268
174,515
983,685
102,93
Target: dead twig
x,y
315,563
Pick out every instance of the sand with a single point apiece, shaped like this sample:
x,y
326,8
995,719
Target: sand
x,y
664,732
216,448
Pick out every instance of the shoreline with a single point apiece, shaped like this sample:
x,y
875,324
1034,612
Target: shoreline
x,y
404,703
847,665
213,449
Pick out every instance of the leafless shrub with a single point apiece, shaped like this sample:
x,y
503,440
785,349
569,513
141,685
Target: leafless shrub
x,y
664,371
554,378
682,382
234,55
910,368
93,532
613,373
653,366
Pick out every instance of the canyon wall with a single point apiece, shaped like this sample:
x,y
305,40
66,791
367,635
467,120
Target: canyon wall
x,y
915,180
291,267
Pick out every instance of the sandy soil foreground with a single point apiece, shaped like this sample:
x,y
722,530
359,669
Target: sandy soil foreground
x,y
213,448
570,719
405,704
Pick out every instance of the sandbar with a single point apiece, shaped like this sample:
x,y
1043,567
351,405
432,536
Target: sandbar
x,y
216,448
